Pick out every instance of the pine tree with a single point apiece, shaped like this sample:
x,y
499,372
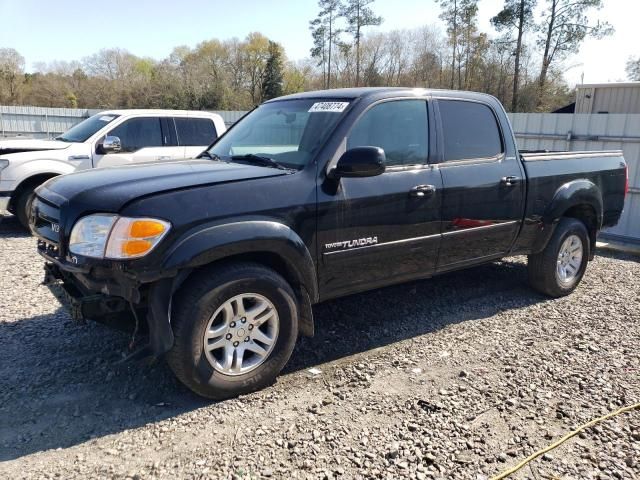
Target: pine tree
x,y
358,15
325,32
516,15
273,74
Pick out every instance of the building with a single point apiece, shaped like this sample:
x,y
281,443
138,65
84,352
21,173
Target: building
x,y
608,98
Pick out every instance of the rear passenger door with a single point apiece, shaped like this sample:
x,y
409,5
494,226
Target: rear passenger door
x,y
483,198
195,134
379,230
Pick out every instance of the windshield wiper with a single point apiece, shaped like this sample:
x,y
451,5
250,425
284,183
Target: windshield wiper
x,y
63,139
259,160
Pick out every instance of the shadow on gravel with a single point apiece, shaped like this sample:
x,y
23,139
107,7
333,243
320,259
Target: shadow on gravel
x,y
61,385
10,228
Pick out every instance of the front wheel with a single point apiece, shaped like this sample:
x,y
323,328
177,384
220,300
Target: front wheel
x,y
559,268
23,206
235,328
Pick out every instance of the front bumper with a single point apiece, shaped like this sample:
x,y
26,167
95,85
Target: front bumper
x,y
83,305
4,203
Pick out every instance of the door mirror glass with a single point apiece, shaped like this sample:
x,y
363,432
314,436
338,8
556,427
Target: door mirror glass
x,y
110,144
360,162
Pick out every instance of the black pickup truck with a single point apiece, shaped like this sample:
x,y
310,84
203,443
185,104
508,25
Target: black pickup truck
x,y
310,197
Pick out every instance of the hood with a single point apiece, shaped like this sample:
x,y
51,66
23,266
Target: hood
x,y
110,189
29,145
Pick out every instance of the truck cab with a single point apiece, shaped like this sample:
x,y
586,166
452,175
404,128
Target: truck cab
x,y
110,138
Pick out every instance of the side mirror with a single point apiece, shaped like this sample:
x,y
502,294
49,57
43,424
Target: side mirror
x,y
360,162
110,144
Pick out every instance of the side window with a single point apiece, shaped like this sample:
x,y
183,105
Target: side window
x,y
470,130
399,127
195,131
139,133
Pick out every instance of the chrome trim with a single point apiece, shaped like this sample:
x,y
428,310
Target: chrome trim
x,y
78,157
393,242
483,227
527,157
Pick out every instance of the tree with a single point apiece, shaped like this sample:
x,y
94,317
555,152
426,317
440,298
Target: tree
x,y
358,15
515,16
319,50
633,69
11,74
272,84
563,30
325,24
461,17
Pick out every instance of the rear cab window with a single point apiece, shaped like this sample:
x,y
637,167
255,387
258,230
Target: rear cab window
x,y
470,130
195,132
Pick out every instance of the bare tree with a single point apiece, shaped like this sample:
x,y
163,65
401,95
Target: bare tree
x,y
11,73
515,16
563,30
633,69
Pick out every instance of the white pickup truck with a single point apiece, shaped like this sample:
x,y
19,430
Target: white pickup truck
x,y
114,137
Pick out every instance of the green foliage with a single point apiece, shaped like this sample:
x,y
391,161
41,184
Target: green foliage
x,y
272,84
237,74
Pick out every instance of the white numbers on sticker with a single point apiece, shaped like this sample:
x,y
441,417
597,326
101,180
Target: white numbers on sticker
x,y
336,107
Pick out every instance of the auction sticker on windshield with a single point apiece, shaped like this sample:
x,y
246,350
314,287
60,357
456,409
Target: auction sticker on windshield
x,y
337,107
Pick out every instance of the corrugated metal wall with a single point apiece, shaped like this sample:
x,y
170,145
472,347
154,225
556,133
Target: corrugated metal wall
x,y
39,122
608,98
557,131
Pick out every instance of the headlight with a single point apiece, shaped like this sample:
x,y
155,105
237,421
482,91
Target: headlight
x,y
3,164
118,238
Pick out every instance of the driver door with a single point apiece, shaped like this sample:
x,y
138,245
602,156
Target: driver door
x,y
379,230
141,141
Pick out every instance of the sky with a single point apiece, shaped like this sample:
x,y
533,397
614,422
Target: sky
x,y
44,31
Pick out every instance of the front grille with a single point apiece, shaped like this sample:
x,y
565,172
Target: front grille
x,y
45,221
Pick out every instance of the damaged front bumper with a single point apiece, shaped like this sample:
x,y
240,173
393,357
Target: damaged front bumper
x,y
83,303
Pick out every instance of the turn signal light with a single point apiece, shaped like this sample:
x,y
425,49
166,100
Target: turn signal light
x,y
135,237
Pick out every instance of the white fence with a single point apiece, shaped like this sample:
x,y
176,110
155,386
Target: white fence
x,y
40,122
534,131
558,131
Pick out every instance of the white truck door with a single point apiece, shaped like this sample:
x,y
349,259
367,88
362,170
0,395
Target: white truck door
x,y
141,141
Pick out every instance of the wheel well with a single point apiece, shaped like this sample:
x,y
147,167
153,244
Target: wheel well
x,y
587,215
282,267
29,183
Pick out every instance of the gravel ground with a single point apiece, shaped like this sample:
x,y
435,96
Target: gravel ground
x,y
456,377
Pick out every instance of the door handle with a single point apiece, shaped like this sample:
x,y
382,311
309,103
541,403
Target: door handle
x,y
509,181
422,191
164,157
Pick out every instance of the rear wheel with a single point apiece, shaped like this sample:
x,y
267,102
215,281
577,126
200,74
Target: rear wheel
x,y
235,328
23,206
559,268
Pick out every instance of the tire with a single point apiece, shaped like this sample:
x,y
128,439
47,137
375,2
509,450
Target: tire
x,y
23,206
546,268
203,303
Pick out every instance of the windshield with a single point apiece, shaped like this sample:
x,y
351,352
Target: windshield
x,y
288,131
85,129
